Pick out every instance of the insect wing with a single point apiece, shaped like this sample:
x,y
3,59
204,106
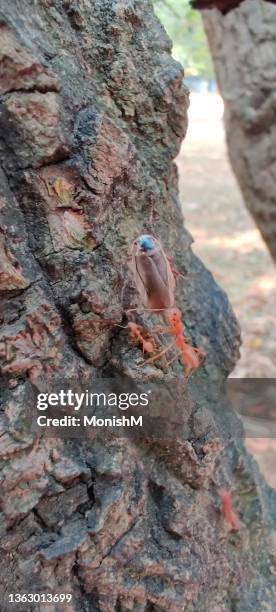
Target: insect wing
x,y
153,276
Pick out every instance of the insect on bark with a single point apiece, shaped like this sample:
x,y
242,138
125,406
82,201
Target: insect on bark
x,y
153,274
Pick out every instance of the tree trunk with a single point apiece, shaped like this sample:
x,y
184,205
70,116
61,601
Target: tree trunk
x,y
92,114
224,6
243,47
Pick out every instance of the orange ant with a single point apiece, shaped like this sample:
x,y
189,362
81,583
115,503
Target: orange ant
x,y
191,357
136,334
140,336
228,510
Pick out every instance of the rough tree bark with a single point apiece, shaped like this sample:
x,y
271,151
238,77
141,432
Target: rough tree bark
x,y
243,47
92,114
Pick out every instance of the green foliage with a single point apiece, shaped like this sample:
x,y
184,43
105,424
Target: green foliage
x,y
185,28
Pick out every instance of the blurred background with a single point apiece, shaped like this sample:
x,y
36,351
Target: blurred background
x,y
225,236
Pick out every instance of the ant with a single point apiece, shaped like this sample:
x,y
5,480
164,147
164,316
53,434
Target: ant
x,y
228,510
137,334
191,357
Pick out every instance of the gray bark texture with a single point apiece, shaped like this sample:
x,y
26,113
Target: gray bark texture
x,y
243,48
92,114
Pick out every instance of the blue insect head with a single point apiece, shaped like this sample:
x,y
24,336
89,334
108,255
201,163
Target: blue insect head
x,y
146,243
